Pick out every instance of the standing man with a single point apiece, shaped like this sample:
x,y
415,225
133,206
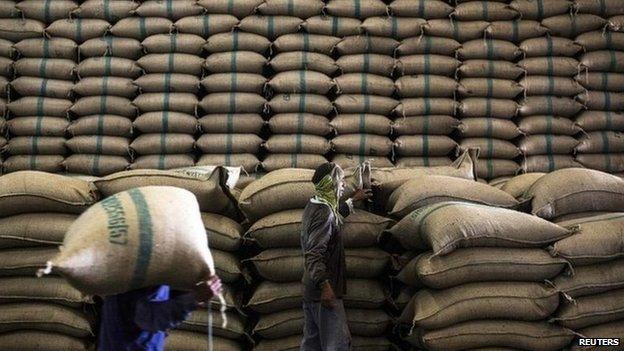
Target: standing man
x,y
324,281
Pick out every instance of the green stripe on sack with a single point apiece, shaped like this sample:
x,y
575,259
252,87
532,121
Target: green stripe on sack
x,y
142,28
515,31
540,9
490,69
271,27
95,167
551,85
607,104
230,6
206,26
609,121
425,150
490,147
146,234
549,120
334,20
574,25
421,8
605,149
490,48
604,80
612,61
395,27
46,10
609,38
549,50
79,30
428,45
109,44
549,152
603,8
291,8
490,168
550,66
302,107
106,6
170,8
490,87
427,67
484,10
357,8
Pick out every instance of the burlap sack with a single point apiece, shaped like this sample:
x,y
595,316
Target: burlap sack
x,y
599,40
101,9
394,27
610,8
600,81
484,107
301,9
45,317
43,163
549,105
303,60
121,47
122,243
31,289
45,68
244,123
491,49
530,9
549,198
178,102
602,100
297,143
517,185
165,143
31,340
426,106
46,126
233,103
601,142
364,83
237,41
198,322
323,44
306,123
211,192
592,280
34,229
273,162
25,261
103,145
570,26
360,44
178,340
422,64
436,161
591,310
426,86
301,82
104,66
140,28
353,103
236,61
490,87
548,163
117,86
332,26
516,30
460,31
428,45
595,242
166,122
168,82
600,120
96,165
602,61
424,9
270,27
206,24
488,127
434,309
104,104
78,29
293,103
532,125
227,266
551,46
487,68
550,66
239,9
547,144
361,10
44,12
424,145
361,123
491,11
229,143
538,336
162,161
14,29
491,148
238,82
101,125
362,144
171,63
471,265
61,48
223,233
36,146
174,11
249,162
606,330
604,162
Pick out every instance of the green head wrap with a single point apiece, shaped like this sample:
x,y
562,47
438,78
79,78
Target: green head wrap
x,y
326,193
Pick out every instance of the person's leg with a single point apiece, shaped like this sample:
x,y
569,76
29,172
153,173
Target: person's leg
x,y
311,340
333,328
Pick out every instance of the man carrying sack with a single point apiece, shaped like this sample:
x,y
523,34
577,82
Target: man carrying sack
x,y
324,277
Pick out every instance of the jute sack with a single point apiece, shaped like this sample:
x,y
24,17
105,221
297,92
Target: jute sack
x,y
322,44
178,102
301,8
50,290
162,161
599,142
14,29
488,127
610,8
297,143
479,68
382,65
104,104
43,163
600,81
428,45
605,330
206,24
239,9
211,192
48,126
551,46
532,10
458,30
36,145
484,107
491,49
239,82
45,317
143,233
551,198
32,191
491,11
166,122
303,60
592,280
111,12
362,144
293,103
364,83
233,103
97,165
332,26
6,66
550,66
548,163
364,123
599,40
395,27
78,29
31,340
363,10
175,10
423,161
425,86
61,48
549,105
604,162
424,145
25,261
548,125
8,10
251,123
306,123
360,44
270,27
482,264
292,343
121,47
44,12
168,82
179,340
40,106
426,106
171,63
273,162
602,100
547,144
198,322
236,61
490,87
602,61
237,41
596,241
29,229
423,9
520,301
301,82
118,86
51,68
227,266
104,66
223,233
538,336
429,227
229,143
591,121
591,310
570,26
519,184
515,30
140,28
355,103
421,64
165,143
99,144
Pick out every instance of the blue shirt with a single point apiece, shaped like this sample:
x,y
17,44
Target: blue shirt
x,y
138,319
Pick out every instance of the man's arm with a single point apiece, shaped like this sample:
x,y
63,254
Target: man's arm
x,y
153,316
319,233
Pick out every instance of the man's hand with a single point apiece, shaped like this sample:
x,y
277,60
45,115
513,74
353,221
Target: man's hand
x,y
207,289
362,194
327,296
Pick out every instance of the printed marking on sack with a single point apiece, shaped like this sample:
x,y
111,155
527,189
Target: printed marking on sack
x,y
117,225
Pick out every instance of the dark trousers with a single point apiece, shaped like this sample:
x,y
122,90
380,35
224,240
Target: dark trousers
x,y
325,329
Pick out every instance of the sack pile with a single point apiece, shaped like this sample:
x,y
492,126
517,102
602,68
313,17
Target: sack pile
x,y
36,209
6,62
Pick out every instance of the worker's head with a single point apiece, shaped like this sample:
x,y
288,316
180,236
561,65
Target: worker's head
x,y
329,171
